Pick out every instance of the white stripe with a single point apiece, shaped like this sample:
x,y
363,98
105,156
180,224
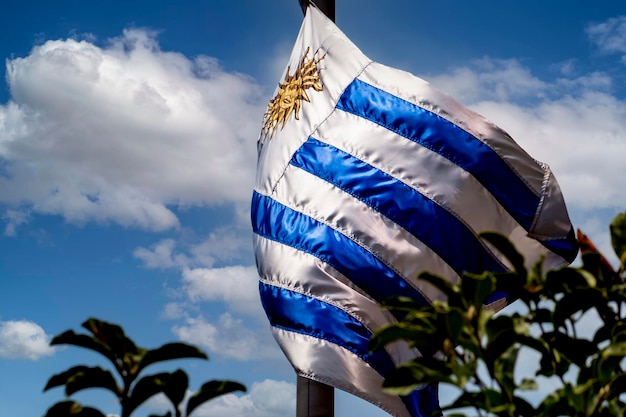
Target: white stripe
x,y
330,364
393,245
316,32
551,220
433,176
287,267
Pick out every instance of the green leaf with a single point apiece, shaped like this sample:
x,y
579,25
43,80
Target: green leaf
x,y
95,377
176,387
170,351
210,390
618,237
443,285
528,385
476,288
410,332
504,246
111,335
61,378
145,388
454,324
618,386
72,409
578,301
84,341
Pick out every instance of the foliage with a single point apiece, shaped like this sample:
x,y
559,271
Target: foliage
x,y
129,360
478,351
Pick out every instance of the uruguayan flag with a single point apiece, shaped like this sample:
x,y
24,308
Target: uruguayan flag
x,y
368,176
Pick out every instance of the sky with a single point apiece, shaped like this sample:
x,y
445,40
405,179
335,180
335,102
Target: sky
x,y
128,149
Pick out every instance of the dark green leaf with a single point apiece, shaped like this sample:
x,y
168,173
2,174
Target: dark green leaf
x,y
412,333
176,387
111,335
618,386
443,285
72,409
578,301
476,288
91,378
145,388
84,341
504,246
454,324
61,378
171,351
210,390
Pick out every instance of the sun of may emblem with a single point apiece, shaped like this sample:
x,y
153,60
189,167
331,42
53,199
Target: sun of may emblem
x,y
291,92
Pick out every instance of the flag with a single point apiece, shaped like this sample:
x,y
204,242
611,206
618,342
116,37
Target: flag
x,y
368,176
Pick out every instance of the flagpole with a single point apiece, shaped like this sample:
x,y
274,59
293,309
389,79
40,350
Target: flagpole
x,y
314,399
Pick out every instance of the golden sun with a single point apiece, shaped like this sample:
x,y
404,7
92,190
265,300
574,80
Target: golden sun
x,y
291,92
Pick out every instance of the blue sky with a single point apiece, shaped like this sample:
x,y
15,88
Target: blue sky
x,y
127,153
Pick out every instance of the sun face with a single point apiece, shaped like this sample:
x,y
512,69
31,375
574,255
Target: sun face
x,y
291,92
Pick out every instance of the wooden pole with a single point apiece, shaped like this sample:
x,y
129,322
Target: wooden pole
x,y
315,399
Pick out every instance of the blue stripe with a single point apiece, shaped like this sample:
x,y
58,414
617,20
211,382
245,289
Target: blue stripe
x,y
274,221
302,314
437,228
460,147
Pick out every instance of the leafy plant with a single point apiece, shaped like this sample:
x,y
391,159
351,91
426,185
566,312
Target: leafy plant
x,y
478,351
129,360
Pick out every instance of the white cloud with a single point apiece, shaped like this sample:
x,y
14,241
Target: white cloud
x,y
161,255
23,339
120,133
610,35
495,79
225,244
575,125
229,338
235,285
13,219
268,398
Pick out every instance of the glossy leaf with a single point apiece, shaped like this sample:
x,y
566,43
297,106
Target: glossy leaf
x,y
145,388
92,378
210,390
84,341
72,409
62,378
504,246
176,387
171,351
83,377
476,288
111,335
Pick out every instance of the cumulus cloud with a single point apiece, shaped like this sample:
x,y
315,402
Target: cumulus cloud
x,y
235,285
574,124
229,337
122,133
268,398
23,339
221,245
610,35
161,255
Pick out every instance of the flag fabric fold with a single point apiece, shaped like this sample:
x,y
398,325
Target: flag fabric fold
x,y
366,177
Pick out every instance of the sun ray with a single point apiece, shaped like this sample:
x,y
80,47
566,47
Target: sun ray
x,y
291,92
